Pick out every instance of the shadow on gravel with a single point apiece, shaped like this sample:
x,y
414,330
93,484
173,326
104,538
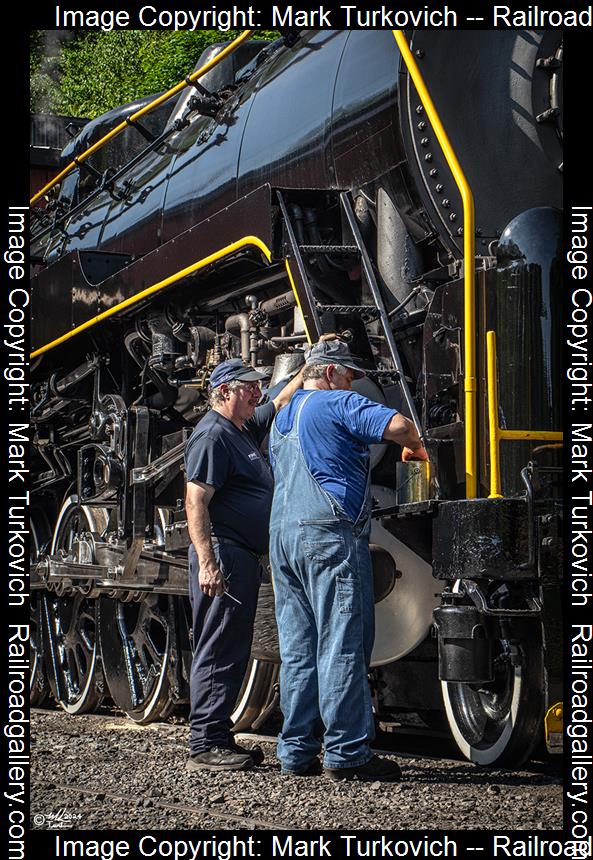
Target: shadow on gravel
x,y
469,774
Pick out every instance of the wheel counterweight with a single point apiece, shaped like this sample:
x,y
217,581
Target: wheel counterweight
x,y
40,534
38,688
74,665
135,640
69,622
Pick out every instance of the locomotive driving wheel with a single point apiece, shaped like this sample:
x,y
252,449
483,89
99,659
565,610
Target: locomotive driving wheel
x,y
69,630
499,723
256,693
38,685
135,640
38,688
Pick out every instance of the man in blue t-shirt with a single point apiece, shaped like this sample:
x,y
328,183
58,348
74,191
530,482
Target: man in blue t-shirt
x,y
228,500
321,565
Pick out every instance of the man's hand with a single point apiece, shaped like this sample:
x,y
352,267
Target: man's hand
x,y
401,430
211,580
198,497
417,454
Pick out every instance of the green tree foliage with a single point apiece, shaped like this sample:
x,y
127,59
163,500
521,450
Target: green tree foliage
x,y
92,72
44,71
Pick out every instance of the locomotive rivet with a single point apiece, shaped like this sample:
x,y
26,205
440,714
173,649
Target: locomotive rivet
x,y
445,203
479,231
452,217
421,125
460,231
424,141
419,109
428,156
434,172
439,187
419,53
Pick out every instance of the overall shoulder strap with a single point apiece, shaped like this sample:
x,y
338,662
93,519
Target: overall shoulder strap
x,y
297,417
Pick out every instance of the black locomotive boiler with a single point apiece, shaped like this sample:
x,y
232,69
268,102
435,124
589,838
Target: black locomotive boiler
x,y
321,182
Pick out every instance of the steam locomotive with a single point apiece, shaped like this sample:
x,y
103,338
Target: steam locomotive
x,y
299,187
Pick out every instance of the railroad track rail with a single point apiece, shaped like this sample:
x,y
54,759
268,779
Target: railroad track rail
x,y
103,771
209,811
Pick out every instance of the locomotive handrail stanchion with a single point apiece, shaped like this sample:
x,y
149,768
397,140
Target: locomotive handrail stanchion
x,y
497,433
493,427
469,298
129,121
177,276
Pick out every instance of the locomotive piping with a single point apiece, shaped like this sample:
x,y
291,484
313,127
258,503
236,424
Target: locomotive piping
x,y
188,81
469,300
182,273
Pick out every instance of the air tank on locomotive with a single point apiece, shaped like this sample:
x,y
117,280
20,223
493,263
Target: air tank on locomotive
x,y
304,190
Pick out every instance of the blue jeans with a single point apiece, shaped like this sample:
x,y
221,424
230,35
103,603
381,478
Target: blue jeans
x,y
323,586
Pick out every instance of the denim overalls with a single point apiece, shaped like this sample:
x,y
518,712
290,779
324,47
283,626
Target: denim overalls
x,y
323,586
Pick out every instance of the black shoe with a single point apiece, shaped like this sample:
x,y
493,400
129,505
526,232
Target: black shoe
x,y
376,770
256,753
219,758
313,769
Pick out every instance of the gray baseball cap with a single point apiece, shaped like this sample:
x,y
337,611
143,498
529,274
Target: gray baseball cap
x,y
333,352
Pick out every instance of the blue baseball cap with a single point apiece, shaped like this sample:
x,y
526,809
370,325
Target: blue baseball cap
x,y
333,352
233,369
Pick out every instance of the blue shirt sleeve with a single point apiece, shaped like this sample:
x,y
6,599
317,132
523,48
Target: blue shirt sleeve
x,y
365,419
207,461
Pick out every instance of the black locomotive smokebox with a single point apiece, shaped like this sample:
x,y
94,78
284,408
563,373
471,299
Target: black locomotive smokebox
x,y
465,649
482,538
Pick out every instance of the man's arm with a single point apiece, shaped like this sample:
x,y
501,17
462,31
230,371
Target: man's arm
x,y
289,389
198,497
401,430
297,381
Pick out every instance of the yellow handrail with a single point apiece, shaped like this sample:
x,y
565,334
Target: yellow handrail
x,y
142,112
182,273
298,301
496,433
470,382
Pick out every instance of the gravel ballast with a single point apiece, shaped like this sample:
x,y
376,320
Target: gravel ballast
x,y
101,772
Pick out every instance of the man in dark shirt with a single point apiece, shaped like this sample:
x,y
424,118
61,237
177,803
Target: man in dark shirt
x,y
228,502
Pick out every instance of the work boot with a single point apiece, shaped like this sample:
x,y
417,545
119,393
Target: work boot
x,y
256,753
312,769
220,758
376,770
